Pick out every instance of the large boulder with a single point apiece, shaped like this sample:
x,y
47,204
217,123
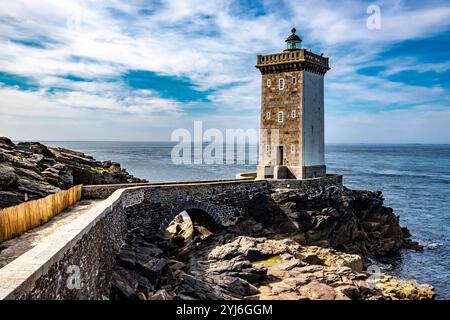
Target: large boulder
x,y
35,147
6,141
34,188
8,199
8,177
59,175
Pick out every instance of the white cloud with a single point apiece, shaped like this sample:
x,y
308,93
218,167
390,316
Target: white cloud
x,y
74,104
335,23
205,42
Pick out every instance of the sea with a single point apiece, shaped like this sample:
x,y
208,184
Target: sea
x,y
414,179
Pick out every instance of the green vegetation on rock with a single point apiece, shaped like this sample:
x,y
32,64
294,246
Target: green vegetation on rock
x,y
99,170
270,260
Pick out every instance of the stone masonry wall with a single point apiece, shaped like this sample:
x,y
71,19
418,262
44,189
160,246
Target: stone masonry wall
x,y
160,204
151,208
93,254
84,249
91,241
286,100
105,190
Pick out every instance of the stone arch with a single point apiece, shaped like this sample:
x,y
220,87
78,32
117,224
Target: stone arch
x,y
192,206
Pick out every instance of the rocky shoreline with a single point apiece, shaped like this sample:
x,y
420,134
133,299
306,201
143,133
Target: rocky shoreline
x,y
307,244
31,170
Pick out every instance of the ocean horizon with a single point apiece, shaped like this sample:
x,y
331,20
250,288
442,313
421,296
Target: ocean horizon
x,y
175,142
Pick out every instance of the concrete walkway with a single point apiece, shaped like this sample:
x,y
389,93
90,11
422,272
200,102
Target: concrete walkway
x,y
13,248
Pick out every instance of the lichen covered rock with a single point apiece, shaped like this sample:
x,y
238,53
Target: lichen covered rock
x,y
230,266
31,170
397,289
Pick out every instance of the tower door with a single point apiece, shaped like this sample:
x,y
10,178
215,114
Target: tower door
x,y
279,159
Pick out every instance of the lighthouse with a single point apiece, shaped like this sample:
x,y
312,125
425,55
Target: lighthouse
x,y
292,113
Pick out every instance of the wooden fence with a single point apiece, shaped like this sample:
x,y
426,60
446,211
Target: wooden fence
x,y
18,219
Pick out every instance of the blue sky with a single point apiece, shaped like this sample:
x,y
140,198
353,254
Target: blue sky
x,y
137,70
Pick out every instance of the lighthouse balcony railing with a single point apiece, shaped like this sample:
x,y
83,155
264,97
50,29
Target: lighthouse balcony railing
x,y
297,55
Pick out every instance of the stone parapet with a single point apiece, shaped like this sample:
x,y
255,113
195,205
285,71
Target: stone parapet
x,y
292,61
103,191
74,262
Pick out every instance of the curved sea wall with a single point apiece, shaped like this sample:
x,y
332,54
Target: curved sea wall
x,y
76,261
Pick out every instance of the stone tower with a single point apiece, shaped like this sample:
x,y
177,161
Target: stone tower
x,y
292,115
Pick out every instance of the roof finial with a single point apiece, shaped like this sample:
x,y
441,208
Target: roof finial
x,y
293,41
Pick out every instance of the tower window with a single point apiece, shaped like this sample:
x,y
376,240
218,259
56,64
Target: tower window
x,y
292,148
268,82
268,115
267,148
294,114
280,116
294,80
281,84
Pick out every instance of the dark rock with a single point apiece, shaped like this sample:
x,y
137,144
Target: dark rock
x,y
144,283
127,257
254,254
124,284
8,199
198,289
36,188
60,175
33,170
21,162
8,177
28,174
6,141
313,259
234,285
106,163
414,245
35,147
176,265
153,269
143,253
335,215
